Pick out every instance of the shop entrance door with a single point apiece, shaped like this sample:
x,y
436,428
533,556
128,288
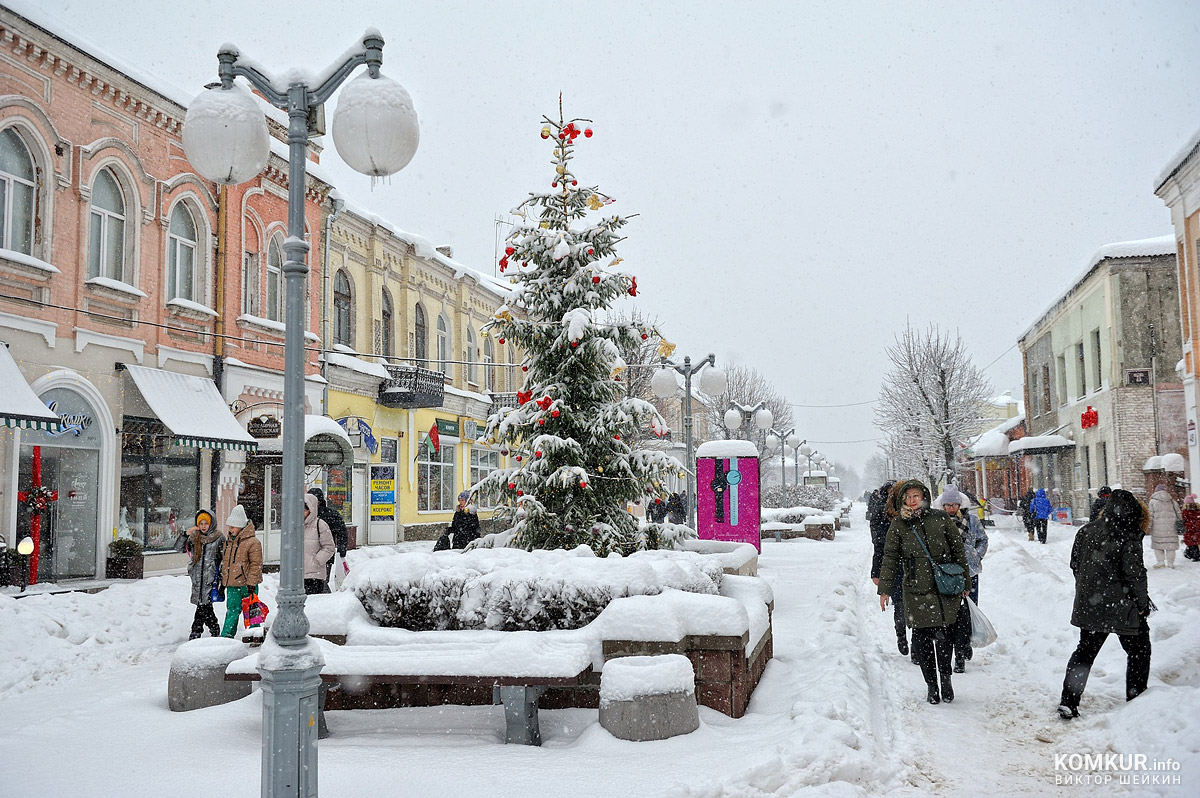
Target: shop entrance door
x,y
262,481
68,536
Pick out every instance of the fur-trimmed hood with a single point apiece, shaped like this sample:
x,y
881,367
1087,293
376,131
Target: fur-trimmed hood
x,y
895,499
1126,514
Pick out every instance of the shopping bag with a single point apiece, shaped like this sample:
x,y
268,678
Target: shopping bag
x,y
337,572
982,631
254,612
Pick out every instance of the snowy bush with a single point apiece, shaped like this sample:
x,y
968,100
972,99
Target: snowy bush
x,y
511,589
816,496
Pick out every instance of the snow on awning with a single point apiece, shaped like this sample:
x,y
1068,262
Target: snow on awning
x,y
1032,444
19,405
191,408
325,442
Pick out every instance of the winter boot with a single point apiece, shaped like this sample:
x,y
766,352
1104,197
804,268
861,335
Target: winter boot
x,y
941,651
194,636
932,694
1067,713
960,665
1030,537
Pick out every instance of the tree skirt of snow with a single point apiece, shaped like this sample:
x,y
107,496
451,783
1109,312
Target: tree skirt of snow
x,y
627,678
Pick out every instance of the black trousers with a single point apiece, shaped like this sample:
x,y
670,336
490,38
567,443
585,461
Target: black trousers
x,y
931,648
1039,525
1079,667
315,586
205,617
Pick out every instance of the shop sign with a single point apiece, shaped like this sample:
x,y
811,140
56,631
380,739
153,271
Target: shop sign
x,y
446,427
264,427
353,424
383,492
76,417
1137,376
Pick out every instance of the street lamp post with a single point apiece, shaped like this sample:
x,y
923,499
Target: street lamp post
x,y
784,439
713,383
226,140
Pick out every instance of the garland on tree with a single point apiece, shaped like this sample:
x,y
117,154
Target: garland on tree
x,y
570,433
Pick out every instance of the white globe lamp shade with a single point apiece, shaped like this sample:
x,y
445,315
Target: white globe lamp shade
x,y
733,419
375,126
713,381
787,450
764,418
663,383
805,450
773,444
793,440
225,135
25,546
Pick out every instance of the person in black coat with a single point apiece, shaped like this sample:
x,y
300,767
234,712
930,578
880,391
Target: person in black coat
x,y
337,528
1025,505
1098,505
463,529
1110,597
878,518
676,509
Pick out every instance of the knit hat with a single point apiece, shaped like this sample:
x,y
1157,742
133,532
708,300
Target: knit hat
x,y
1157,488
950,496
1190,498
238,517
204,514
465,495
1105,490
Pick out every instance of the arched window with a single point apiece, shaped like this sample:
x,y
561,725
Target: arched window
x,y
489,356
181,255
106,235
16,194
420,351
443,345
342,328
470,355
274,304
385,325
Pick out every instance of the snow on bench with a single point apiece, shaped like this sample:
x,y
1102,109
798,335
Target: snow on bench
x,y
519,665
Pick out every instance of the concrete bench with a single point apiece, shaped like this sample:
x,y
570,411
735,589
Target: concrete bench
x,y
518,668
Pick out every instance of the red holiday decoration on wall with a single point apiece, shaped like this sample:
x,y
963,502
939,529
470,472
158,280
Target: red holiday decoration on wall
x,y
1089,418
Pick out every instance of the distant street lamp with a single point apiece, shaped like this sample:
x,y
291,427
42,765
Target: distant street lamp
x,y
226,140
781,440
25,548
713,383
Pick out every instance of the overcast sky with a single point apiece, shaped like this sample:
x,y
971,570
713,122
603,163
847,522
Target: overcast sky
x,y
808,176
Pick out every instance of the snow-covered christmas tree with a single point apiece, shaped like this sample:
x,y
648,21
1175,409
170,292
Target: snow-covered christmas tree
x,y
575,471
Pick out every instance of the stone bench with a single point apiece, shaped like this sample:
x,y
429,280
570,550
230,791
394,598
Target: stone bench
x,y
516,668
648,698
197,677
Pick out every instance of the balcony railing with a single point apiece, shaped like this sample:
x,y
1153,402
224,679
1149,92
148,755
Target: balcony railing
x,y
410,387
500,400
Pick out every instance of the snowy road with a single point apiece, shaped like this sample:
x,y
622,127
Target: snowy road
x,y
839,711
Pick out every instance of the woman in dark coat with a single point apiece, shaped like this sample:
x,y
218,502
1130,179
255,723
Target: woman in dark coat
x,y
1110,597
463,529
926,611
880,520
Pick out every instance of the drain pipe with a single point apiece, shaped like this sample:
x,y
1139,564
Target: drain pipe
x,y
339,202
219,328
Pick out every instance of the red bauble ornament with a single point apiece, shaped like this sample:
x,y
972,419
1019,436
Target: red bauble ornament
x,y
644,336
554,185
520,493
616,437
545,134
583,484
541,422
512,486
658,501
587,133
501,340
524,368
633,287
509,250
574,344
554,413
596,280
574,182
518,458
591,251
537,454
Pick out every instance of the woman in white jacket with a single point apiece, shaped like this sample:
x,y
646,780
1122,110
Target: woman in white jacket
x,y
1164,527
318,548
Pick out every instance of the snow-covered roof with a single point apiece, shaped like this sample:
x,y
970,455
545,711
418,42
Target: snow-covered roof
x,y
1142,248
191,408
992,443
357,364
1012,423
1177,160
1171,461
1039,442
19,405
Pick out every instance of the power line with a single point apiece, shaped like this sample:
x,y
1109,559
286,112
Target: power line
x,y
847,404
864,440
1002,354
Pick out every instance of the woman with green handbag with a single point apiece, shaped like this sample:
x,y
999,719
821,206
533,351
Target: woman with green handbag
x,y
928,545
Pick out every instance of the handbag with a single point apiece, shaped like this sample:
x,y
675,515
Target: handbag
x,y
254,612
982,631
216,592
950,578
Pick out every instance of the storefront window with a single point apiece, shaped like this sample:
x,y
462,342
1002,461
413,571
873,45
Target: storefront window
x,y
435,477
483,462
160,484
339,491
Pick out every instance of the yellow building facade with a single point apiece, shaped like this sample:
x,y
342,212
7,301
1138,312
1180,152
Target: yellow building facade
x,y
411,377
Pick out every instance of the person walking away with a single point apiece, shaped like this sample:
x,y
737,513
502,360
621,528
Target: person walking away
x,y
1041,508
463,529
203,543
975,543
1191,528
920,536
1025,505
1099,502
337,527
877,516
1110,598
1165,525
676,509
241,567
318,548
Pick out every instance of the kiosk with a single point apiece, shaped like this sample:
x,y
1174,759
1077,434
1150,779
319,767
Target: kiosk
x,y
727,499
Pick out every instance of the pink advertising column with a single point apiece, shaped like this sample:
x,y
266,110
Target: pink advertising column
x,y
727,505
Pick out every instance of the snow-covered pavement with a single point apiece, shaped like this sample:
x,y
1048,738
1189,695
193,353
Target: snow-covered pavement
x,y
83,706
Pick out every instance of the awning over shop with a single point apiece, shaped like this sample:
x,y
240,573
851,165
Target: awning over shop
x,y
325,443
191,408
1037,444
19,405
